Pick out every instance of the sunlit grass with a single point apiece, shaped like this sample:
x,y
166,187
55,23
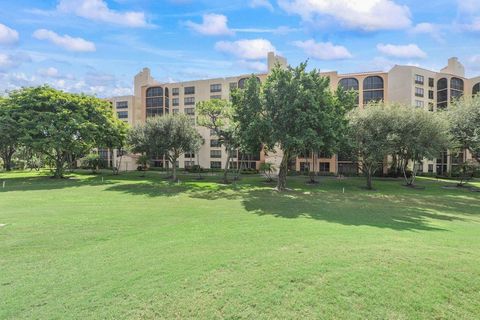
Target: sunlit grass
x,y
131,247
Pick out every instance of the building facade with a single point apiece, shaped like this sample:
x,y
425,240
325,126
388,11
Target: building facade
x,y
410,85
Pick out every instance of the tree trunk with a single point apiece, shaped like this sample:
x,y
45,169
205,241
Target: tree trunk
x,y
174,171
369,180
7,163
58,167
312,169
7,158
282,174
225,172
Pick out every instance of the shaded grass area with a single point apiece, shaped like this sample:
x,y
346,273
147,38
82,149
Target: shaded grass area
x,y
143,247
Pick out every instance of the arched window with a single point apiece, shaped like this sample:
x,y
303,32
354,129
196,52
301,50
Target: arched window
x,y
154,103
349,84
241,82
456,88
155,92
476,89
442,93
372,89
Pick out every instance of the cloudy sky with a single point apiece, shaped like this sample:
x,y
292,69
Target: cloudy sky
x,y
97,46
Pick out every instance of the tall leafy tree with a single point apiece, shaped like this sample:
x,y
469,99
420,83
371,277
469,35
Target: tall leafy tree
x,y
370,138
169,135
61,125
300,113
246,116
464,117
10,132
217,115
417,135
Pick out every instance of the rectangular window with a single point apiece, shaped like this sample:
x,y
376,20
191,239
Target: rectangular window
x,y
430,168
233,86
175,102
431,82
372,95
188,164
419,79
430,94
216,87
304,166
175,91
189,155
214,143
189,101
218,97
122,104
419,167
189,90
419,104
212,132
430,106
215,165
324,166
419,92
175,111
233,153
122,114
189,111
215,153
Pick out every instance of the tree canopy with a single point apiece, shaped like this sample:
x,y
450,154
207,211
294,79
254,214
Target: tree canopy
x,y
370,137
10,132
168,135
464,117
417,135
217,115
63,126
299,112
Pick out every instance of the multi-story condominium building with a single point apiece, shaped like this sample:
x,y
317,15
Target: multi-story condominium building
x,y
410,85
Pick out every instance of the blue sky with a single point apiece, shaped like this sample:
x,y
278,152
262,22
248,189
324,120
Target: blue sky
x,y
97,46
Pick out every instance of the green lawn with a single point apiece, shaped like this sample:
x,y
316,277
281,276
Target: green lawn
x,y
134,247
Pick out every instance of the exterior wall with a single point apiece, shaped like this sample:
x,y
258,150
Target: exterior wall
x,y
118,101
400,84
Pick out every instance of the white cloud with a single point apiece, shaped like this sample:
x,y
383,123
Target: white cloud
x,y
6,61
11,61
256,66
67,42
94,83
473,63
212,25
98,10
368,15
402,51
282,30
8,36
49,72
323,50
474,25
468,6
433,30
261,4
246,49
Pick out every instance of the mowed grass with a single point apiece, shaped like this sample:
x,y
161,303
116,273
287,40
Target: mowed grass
x,y
132,247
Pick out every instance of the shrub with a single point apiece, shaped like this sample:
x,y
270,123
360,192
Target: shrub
x,y
92,162
143,162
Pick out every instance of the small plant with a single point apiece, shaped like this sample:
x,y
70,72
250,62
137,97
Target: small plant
x,y
267,170
143,162
466,171
92,162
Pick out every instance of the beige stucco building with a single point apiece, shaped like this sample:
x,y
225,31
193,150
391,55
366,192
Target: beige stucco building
x,y
411,85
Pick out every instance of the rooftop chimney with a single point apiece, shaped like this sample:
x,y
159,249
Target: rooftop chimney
x,y
454,68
